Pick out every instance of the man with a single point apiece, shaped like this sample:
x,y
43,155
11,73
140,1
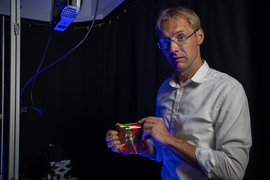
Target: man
x,y
202,125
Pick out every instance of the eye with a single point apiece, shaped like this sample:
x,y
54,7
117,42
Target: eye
x,y
181,37
165,41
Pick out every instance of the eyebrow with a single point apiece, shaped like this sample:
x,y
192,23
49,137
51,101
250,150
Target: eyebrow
x,y
176,33
181,31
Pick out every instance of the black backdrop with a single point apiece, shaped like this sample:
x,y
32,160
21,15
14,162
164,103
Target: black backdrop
x,y
115,74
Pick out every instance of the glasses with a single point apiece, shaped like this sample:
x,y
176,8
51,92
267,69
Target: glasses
x,y
181,39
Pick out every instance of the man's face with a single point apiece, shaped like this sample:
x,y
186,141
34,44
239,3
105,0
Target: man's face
x,y
181,57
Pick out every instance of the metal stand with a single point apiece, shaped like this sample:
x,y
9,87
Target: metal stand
x,y
14,123
3,92
60,169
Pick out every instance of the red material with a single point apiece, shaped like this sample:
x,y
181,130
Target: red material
x,y
130,136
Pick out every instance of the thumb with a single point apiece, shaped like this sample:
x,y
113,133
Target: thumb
x,y
144,135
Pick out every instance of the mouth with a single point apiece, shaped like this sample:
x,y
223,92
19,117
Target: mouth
x,y
178,59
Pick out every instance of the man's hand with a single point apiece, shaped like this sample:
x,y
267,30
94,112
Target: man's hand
x,y
113,140
156,128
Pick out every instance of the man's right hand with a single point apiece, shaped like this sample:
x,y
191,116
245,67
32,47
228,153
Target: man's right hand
x,y
113,140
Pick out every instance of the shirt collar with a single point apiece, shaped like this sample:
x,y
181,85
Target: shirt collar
x,y
197,78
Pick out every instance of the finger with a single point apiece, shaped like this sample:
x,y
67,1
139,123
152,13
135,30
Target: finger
x,y
146,132
111,138
149,119
146,121
144,135
116,148
113,143
111,132
141,121
148,125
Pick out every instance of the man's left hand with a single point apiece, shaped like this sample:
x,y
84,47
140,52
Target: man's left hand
x,y
156,128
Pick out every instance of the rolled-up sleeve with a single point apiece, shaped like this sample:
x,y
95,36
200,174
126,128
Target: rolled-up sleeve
x,y
159,149
233,137
159,156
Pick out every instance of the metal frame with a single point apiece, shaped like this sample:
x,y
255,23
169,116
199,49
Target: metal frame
x,y
14,123
3,92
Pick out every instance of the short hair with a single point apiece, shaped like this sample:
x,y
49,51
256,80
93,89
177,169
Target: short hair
x,y
183,12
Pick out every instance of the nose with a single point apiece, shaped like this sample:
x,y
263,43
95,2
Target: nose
x,y
174,47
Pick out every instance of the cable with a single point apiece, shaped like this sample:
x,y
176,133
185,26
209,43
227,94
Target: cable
x,y
38,72
37,110
31,92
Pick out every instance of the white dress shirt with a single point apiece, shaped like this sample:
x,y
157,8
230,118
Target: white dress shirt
x,y
209,111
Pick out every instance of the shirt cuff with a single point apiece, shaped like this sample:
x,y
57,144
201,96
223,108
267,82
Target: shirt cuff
x,y
205,159
158,151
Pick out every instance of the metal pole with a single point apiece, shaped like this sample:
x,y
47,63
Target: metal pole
x,y
3,93
13,168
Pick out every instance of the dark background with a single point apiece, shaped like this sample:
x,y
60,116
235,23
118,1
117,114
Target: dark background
x,y
115,74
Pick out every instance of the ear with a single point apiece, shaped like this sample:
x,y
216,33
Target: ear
x,y
200,36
